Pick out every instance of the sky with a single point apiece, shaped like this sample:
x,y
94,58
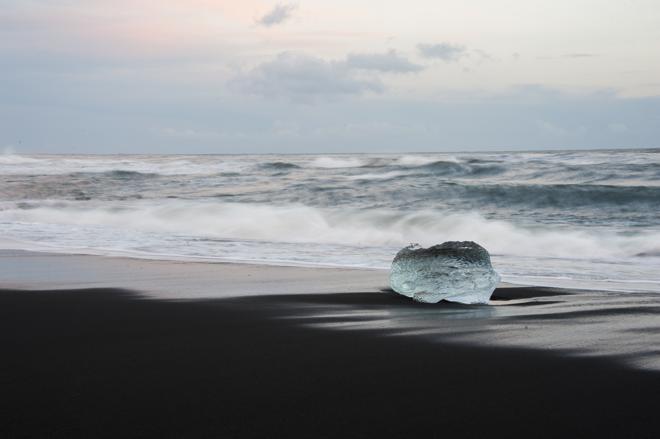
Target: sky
x,y
249,76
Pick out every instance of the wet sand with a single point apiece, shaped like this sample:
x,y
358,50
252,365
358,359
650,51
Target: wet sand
x,y
106,362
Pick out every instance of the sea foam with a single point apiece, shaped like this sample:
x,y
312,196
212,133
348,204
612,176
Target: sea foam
x,y
306,224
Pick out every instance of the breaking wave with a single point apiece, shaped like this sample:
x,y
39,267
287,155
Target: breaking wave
x,y
305,224
420,160
338,162
461,169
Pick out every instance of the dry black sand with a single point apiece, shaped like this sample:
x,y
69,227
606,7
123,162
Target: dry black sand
x,y
106,363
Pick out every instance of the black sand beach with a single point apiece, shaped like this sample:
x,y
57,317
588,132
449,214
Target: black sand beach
x,y
110,363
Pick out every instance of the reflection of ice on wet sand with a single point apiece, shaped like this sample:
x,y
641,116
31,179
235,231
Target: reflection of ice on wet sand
x,y
625,326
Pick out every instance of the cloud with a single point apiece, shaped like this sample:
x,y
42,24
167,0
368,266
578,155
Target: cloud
x,y
579,55
481,56
175,118
278,15
303,78
388,62
445,51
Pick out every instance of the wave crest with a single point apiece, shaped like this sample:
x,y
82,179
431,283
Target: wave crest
x,y
338,162
355,227
279,166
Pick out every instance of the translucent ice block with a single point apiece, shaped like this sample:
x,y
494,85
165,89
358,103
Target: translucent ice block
x,y
457,271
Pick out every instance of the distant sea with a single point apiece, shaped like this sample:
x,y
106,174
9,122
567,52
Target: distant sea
x,y
583,219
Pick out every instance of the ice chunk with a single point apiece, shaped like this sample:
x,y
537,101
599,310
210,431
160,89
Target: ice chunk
x,y
457,271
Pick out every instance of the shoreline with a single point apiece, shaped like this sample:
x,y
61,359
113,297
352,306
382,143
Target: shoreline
x,y
7,249
168,279
617,286
576,322
164,279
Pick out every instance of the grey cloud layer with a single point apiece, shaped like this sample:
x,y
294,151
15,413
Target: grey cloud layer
x,y
579,55
304,77
279,14
388,62
110,116
445,51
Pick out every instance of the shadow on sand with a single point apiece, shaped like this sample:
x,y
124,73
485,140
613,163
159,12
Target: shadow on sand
x,y
106,363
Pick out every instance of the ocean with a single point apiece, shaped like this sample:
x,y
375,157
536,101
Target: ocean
x,y
574,219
